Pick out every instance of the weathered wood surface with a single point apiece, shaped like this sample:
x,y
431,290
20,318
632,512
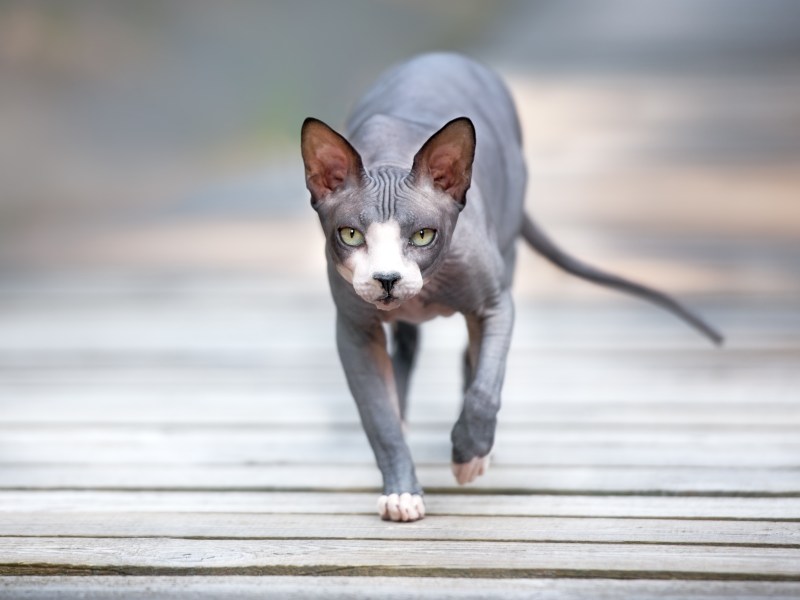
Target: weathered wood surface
x,y
134,555
391,588
172,444
365,527
311,503
333,476
295,446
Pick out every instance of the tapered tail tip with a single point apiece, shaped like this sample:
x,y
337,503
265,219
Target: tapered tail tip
x,y
716,337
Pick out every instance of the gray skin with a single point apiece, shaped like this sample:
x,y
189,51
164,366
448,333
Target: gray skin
x,y
402,165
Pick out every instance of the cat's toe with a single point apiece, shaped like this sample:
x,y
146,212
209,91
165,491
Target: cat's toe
x,y
469,471
401,507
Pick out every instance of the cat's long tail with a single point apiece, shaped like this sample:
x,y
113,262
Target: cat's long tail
x,y
547,248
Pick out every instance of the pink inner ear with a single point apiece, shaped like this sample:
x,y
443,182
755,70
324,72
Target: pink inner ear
x,y
444,164
333,166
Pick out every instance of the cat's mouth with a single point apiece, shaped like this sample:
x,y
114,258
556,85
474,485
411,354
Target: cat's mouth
x,y
388,302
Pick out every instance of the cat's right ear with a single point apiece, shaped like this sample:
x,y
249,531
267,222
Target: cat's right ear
x,y
331,163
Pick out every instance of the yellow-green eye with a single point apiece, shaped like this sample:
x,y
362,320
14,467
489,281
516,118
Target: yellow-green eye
x,y
423,237
350,236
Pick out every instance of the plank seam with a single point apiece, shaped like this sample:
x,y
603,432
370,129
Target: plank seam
x,y
45,569
406,539
495,491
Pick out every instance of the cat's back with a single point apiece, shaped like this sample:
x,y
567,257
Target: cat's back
x,y
410,102
432,89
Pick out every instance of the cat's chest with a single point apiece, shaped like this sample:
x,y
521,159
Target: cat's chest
x,y
417,310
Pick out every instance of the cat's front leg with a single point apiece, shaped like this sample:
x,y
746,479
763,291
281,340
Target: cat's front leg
x,y
368,368
473,433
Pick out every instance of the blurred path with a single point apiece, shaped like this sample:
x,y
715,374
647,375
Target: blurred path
x,y
662,140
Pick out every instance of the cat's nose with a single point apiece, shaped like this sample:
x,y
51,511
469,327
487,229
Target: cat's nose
x,y
387,280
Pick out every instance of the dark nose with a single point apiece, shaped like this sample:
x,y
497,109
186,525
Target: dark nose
x,y
387,280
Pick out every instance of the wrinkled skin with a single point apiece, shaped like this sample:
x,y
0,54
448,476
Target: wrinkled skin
x,y
421,203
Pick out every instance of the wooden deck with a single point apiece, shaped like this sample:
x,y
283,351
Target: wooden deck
x,y
193,437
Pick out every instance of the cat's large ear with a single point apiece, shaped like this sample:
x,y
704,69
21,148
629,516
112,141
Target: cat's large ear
x,y
330,161
445,160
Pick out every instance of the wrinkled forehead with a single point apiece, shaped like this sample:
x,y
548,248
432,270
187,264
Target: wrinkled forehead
x,y
388,195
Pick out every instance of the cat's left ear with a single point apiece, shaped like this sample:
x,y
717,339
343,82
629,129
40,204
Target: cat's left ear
x,y
445,160
330,161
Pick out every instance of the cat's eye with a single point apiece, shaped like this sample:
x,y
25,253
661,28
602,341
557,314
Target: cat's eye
x,y
423,237
351,236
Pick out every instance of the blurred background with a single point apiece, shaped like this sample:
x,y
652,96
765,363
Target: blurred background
x,y
663,137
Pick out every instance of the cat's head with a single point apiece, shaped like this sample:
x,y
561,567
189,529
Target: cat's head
x,y
388,228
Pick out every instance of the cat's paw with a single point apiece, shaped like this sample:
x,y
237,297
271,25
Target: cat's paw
x,y
469,471
401,507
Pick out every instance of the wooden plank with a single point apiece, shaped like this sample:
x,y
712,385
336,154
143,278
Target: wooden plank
x,y
567,380
347,477
25,555
79,287
547,370
321,353
122,324
227,406
523,386
363,527
662,507
93,445
249,362
388,588
511,431
311,299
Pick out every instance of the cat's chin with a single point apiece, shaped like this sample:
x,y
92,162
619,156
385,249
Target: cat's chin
x,y
387,303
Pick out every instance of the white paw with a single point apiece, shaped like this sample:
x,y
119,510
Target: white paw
x,y
401,507
468,472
